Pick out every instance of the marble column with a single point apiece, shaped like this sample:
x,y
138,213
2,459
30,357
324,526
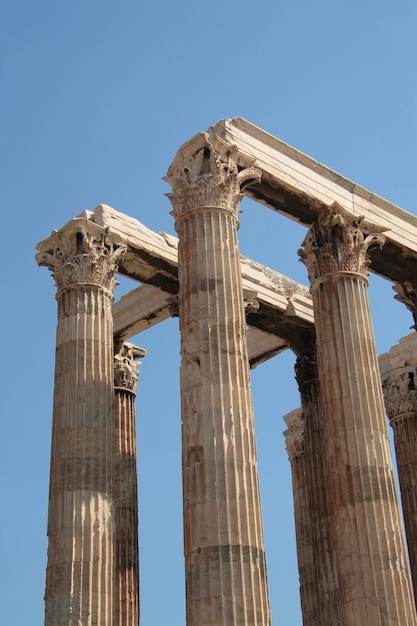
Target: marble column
x,y
223,538
79,582
371,561
126,552
399,384
326,584
294,443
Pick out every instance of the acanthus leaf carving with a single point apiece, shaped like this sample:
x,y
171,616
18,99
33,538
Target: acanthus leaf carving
x,y
337,242
82,254
400,394
294,435
207,179
126,372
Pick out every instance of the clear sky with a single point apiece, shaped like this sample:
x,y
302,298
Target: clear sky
x,y
95,99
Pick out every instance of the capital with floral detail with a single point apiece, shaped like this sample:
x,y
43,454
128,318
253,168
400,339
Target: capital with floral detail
x,y
204,177
338,242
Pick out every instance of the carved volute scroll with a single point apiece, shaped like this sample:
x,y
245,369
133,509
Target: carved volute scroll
x,y
206,178
294,435
126,373
82,253
337,242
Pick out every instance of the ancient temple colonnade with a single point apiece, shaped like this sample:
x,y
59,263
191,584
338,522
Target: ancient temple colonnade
x,y
354,558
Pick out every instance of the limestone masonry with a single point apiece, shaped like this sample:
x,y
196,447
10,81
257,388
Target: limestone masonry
x,y
356,565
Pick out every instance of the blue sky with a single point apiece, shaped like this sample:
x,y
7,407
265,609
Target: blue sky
x,y
95,99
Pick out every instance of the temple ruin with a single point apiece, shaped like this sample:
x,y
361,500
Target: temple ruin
x,y
356,564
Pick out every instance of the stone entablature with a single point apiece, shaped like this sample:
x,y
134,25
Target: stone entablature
x,y
299,187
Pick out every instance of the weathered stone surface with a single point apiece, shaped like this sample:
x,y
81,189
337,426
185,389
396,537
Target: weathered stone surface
x,y
399,383
79,585
146,306
126,554
285,306
223,542
299,187
294,442
369,547
354,537
317,490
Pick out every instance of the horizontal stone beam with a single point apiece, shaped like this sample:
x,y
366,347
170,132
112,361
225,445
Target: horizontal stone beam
x,y
285,307
140,309
263,346
285,311
152,258
297,186
146,306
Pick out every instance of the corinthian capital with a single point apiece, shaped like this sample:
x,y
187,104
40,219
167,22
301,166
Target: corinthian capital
x,y
205,178
82,253
400,395
337,242
126,373
294,435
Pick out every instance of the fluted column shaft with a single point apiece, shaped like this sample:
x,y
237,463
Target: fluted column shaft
x,y
223,540
399,383
326,585
294,440
373,578
126,556
79,583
